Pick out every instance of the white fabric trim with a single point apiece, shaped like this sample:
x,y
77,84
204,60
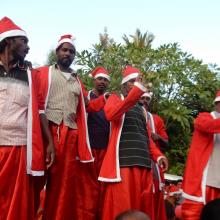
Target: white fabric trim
x,y
65,40
102,75
131,76
29,126
12,33
87,161
173,193
109,180
192,198
217,99
140,86
41,111
49,84
152,124
36,173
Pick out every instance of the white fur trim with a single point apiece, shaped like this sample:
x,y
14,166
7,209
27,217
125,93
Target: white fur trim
x,y
65,40
192,198
12,33
29,126
102,75
41,111
217,99
109,180
140,86
131,76
36,173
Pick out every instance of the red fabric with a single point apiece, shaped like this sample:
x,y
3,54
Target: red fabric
x,y
16,195
37,163
90,191
133,192
114,109
60,201
205,126
191,210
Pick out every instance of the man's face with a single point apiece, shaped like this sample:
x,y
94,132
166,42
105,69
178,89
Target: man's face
x,y
101,84
19,47
145,101
217,106
129,85
66,54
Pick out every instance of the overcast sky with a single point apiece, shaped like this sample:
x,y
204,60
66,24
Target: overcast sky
x,y
194,24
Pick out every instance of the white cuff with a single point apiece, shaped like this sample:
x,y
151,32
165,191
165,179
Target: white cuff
x,y
160,157
41,111
140,86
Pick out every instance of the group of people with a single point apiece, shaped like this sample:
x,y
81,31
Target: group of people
x,y
96,154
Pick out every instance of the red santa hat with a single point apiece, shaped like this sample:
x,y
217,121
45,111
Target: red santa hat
x,y
9,29
129,73
67,38
148,94
217,97
174,190
100,72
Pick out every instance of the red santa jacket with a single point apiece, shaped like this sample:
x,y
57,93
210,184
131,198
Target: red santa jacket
x,y
83,146
194,181
115,109
35,151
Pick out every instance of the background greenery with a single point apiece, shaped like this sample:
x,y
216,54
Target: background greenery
x,y
182,85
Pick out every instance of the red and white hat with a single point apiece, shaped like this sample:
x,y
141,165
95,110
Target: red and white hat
x,y
148,94
67,38
100,72
217,96
129,73
9,29
174,190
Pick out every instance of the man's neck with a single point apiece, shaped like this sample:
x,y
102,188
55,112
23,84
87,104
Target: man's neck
x,y
97,92
64,69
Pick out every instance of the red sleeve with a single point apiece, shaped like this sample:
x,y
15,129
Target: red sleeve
x,y
115,107
206,123
160,127
154,150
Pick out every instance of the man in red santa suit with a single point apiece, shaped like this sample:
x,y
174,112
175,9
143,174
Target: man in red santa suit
x,y
159,136
201,182
90,190
62,104
21,146
127,164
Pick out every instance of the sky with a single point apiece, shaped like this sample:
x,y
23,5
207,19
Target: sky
x,y
194,24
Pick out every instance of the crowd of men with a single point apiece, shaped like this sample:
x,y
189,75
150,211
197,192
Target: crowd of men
x,y
95,154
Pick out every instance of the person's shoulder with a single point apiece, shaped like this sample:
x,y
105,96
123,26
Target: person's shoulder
x,y
204,114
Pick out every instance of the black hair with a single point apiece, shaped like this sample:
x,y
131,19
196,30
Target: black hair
x,y
211,210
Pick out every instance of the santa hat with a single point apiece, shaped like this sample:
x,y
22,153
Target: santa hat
x,y
217,97
129,73
67,38
100,72
174,190
148,94
9,29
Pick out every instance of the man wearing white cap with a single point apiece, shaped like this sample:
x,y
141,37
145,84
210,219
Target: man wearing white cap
x,y
127,164
62,105
158,134
91,190
21,146
201,182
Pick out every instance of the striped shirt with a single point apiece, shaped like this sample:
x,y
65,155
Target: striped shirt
x,y
134,142
63,99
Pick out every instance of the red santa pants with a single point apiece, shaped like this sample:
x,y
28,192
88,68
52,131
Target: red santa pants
x,y
60,201
135,191
192,210
90,191
16,192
